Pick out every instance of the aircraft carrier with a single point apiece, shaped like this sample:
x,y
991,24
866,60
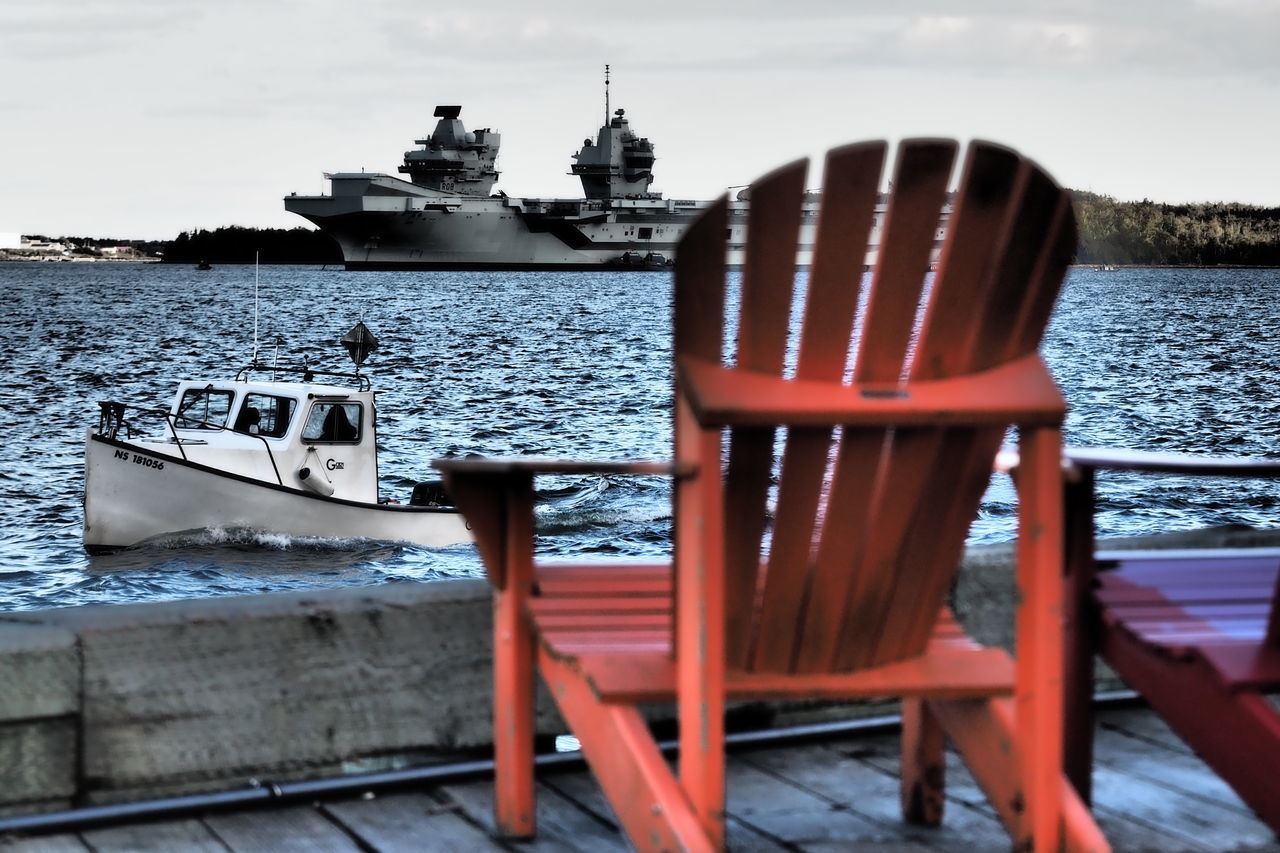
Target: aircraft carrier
x,y
447,217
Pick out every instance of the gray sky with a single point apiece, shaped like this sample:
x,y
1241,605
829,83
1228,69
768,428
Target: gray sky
x,y
143,118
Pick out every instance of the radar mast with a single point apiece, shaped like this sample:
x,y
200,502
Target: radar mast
x,y
453,159
618,164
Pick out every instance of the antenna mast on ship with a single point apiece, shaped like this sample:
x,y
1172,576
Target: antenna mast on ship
x,y
606,95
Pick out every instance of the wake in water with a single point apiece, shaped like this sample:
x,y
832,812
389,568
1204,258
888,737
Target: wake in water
x,y
570,506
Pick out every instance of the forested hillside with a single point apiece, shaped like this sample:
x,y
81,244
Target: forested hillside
x,y
236,245
1153,234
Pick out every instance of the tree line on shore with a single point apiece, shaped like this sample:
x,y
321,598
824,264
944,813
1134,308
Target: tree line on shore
x,y
237,245
1141,233
1148,233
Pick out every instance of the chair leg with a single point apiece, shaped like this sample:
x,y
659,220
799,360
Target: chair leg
x,y
984,732
513,729
923,764
1079,635
1235,733
499,509
1038,667
650,802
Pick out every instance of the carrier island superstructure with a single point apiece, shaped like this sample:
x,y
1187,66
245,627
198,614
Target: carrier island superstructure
x,y
447,217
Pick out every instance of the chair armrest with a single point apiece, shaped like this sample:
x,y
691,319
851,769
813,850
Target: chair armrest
x,y
1113,459
1019,392
495,494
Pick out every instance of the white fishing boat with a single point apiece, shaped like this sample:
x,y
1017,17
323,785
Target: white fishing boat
x,y
262,454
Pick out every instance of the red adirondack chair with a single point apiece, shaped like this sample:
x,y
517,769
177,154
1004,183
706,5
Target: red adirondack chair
x,y
1196,632
839,591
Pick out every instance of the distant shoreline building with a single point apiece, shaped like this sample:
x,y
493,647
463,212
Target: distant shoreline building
x,y
18,247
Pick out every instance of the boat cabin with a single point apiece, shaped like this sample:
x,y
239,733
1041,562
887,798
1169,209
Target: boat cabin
x,y
317,437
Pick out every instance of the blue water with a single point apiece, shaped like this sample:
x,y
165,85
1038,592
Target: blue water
x,y
574,364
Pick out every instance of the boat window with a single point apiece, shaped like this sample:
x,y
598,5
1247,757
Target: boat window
x,y
265,414
333,422
204,408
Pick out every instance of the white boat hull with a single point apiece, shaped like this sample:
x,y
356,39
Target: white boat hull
x,y
133,494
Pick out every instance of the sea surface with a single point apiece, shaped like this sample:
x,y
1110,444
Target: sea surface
x,y
572,364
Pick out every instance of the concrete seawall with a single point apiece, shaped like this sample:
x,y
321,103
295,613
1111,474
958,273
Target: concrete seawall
x,y
106,704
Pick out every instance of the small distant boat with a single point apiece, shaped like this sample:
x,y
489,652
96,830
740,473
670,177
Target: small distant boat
x,y
204,265
642,261
289,457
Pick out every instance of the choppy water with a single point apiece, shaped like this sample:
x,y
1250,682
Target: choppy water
x,y
575,364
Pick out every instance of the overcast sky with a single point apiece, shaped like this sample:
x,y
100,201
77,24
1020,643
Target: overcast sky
x,y
143,118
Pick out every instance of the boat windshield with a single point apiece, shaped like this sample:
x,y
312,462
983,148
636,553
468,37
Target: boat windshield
x,y
265,414
204,408
333,422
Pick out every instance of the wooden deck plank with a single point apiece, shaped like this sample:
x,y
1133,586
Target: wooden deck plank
x,y
962,791
562,824
1138,774
583,790
776,806
296,829
63,843
1193,823
843,775
166,836
1179,769
409,823
1141,723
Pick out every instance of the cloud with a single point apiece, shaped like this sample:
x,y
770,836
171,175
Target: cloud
x,y
1094,39
469,42
67,29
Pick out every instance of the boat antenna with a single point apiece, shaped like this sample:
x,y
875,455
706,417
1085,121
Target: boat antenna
x,y
256,254
606,93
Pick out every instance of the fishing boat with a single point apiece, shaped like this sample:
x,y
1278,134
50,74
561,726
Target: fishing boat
x,y
257,452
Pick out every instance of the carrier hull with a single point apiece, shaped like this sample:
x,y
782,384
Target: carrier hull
x,y
384,223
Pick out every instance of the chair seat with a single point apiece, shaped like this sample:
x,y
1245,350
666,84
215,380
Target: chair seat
x,y
614,621
1186,605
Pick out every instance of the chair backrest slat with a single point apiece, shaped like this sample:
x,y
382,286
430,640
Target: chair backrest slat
x,y
768,278
1006,212
1015,283
698,322
699,286
967,454
978,222
851,183
915,206
851,187
876,628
